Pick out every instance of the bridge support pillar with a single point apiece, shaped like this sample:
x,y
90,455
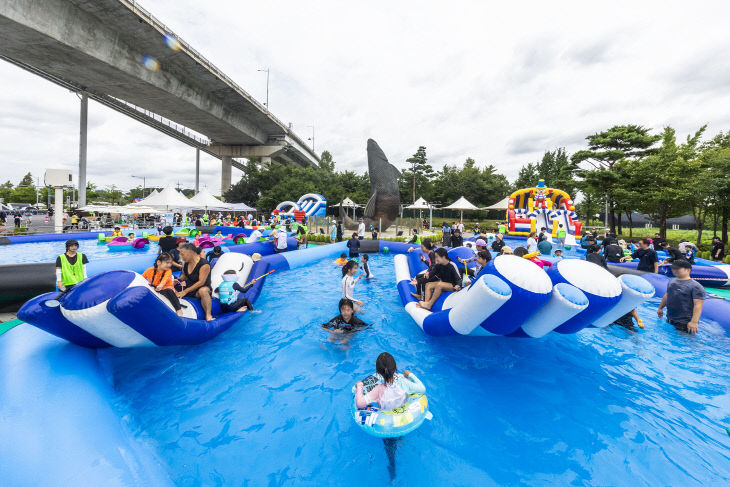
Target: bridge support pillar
x,y
84,116
227,164
197,170
265,160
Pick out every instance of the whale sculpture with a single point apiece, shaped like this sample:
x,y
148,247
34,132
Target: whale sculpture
x,y
384,205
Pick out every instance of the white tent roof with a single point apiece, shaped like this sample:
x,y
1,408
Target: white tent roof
x,y
460,204
420,204
204,199
126,210
349,203
166,199
241,207
501,205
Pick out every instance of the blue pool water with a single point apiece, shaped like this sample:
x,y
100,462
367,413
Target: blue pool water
x,y
48,251
267,402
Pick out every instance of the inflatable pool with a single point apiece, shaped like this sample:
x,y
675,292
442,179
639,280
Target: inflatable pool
x,y
706,272
512,296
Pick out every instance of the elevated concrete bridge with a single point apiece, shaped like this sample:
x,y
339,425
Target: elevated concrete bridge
x,y
118,54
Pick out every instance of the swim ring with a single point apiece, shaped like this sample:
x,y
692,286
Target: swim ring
x,y
390,423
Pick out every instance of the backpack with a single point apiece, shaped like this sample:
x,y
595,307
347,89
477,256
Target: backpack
x,y
226,293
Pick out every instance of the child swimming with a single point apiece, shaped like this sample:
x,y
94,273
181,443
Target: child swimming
x,y
346,322
364,261
349,281
394,390
160,277
342,260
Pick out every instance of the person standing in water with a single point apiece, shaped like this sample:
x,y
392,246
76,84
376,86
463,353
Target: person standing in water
x,y
70,267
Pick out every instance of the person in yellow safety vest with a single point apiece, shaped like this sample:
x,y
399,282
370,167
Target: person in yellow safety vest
x,y
502,228
205,219
70,267
561,235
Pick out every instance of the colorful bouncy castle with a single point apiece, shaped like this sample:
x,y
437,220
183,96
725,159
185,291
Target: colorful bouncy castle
x,y
531,209
310,204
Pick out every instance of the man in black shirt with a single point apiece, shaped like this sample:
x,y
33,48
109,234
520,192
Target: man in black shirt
x,y
613,252
648,260
498,243
593,256
658,241
718,249
168,242
449,279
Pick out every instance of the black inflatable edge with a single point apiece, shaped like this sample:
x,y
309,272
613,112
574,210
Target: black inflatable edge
x,y
5,241
21,282
370,246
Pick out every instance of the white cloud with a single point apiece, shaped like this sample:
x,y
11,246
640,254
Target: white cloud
x,y
500,82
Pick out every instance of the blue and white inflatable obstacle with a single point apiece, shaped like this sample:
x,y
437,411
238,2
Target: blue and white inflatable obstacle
x,y
120,309
512,296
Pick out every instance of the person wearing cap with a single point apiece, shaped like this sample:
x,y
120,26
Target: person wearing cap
x,y
684,299
70,267
498,243
279,241
361,230
456,239
481,245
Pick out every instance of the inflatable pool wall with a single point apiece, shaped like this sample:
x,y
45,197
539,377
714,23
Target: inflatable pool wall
x,y
21,282
512,296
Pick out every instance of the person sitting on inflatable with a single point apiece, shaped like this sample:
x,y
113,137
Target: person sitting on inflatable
x,y
342,260
117,232
229,290
394,390
131,236
345,323
214,254
218,234
160,277
447,279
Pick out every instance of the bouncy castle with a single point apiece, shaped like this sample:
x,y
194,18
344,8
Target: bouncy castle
x,y
310,204
530,209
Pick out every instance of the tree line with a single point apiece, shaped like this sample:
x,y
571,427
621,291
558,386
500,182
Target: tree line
x,y
626,168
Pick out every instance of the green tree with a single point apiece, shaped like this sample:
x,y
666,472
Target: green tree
x,y
326,163
605,149
26,181
420,173
666,176
555,167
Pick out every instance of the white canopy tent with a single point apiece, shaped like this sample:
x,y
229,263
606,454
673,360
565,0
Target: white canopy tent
x,y
460,204
242,207
500,205
166,199
422,204
122,210
205,200
348,203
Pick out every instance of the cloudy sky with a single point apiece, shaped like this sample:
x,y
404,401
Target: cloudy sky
x,y
497,81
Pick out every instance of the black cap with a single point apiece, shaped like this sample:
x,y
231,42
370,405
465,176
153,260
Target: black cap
x,y
71,242
681,264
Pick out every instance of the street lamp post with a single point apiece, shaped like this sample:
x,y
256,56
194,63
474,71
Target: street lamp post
x,y
267,85
144,183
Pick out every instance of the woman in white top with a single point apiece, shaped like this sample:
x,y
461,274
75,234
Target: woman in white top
x,y
531,243
349,281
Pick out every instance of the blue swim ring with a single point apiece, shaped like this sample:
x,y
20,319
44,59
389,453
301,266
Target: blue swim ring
x,y
390,423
